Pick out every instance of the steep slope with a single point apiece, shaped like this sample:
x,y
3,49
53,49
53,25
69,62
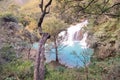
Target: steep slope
x,y
21,2
105,38
30,7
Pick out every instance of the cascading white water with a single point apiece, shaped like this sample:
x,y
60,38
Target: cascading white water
x,y
83,41
73,33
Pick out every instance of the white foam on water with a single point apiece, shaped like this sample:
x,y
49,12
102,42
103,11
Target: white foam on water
x,y
69,37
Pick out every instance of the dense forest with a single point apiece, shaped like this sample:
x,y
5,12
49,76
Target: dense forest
x,y
59,39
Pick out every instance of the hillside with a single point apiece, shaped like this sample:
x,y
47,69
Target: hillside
x,y
20,37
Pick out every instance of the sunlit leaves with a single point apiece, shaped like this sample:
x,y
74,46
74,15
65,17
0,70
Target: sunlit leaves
x,y
53,25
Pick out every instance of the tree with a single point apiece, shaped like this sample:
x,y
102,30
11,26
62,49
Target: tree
x,y
54,26
72,10
84,58
30,38
39,63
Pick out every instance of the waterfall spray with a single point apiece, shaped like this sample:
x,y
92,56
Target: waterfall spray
x,y
74,34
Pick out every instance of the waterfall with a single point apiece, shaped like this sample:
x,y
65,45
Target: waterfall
x,y
75,34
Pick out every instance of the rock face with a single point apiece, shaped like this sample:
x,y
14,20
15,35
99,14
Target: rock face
x,y
33,54
78,35
105,40
103,50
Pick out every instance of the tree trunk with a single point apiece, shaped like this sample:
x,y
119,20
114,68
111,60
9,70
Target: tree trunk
x,y
39,63
29,53
56,49
86,72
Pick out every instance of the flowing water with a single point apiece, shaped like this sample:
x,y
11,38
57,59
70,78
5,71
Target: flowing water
x,y
73,51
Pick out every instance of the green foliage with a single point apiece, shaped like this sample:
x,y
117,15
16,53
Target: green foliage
x,y
24,21
101,69
11,78
13,68
107,30
7,53
60,73
18,69
71,11
54,26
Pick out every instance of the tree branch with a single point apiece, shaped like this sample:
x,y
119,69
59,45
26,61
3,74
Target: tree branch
x,y
110,7
44,12
41,5
89,4
48,4
39,70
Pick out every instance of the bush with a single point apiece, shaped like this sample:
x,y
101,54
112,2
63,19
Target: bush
x,y
12,67
8,17
19,69
7,53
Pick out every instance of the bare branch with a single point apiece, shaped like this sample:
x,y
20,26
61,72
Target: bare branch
x,y
89,4
110,7
47,12
105,3
41,5
48,4
44,12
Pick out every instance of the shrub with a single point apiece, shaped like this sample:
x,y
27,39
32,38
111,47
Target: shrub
x,y
8,17
7,53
